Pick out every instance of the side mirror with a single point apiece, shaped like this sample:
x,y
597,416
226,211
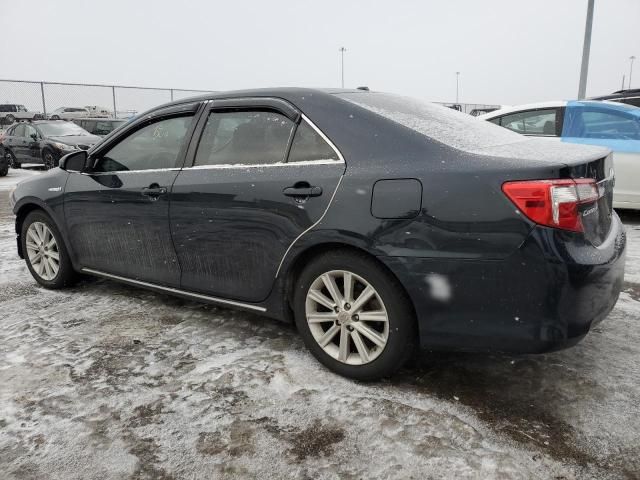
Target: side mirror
x,y
34,136
74,162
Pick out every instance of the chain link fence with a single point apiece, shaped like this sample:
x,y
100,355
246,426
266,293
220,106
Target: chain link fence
x,y
21,99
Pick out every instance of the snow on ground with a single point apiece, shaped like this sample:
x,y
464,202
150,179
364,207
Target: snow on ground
x,y
105,381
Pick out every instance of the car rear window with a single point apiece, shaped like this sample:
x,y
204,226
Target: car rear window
x,y
456,129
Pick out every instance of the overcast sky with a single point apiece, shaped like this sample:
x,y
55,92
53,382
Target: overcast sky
x,y
507,51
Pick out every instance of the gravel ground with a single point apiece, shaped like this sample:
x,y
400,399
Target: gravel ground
x,y
106,381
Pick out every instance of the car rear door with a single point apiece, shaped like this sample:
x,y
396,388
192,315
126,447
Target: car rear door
x,y
117,213
260,175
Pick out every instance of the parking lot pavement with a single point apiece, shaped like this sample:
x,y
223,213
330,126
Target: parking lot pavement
x,y
106,381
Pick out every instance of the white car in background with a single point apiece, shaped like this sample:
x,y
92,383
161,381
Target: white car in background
x,y
97,111
69,113
609,124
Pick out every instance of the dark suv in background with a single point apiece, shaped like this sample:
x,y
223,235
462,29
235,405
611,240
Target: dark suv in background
x,y
629,96
44,142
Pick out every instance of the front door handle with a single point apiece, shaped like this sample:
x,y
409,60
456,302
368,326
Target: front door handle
x,y
306,191
153,191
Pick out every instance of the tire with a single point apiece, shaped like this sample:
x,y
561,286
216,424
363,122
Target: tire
x,y
395,338
10,119
55,117
12,161
43,271
4,169
49,159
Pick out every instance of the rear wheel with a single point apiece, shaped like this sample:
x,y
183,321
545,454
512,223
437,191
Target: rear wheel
x,y
55,117
12,161
45,253
354,316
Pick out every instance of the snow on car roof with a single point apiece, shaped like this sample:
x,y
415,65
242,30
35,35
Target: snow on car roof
x,y
450,127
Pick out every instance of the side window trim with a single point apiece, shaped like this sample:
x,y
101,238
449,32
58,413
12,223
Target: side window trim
x,y
96,156
211,107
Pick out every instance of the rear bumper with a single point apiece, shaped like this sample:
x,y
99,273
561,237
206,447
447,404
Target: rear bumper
x,y
544,297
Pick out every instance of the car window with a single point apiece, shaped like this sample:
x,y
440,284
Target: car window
x,y
495,120
245,138
89,126
535,122
18,131
155,146
309,145
595,123
103,128
28,130
635,101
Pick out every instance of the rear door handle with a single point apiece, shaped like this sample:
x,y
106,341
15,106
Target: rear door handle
x,y
306,191
154,191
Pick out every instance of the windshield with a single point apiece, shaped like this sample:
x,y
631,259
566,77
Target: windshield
x,y
61,129
445,125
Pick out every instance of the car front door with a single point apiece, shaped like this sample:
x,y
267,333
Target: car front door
x,y
18,143
241,203
117,213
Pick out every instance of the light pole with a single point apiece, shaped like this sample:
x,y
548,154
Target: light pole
x,y
631,58
457,86
584,69
342,50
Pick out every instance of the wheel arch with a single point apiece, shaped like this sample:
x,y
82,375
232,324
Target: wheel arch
x,y
304,256
24,209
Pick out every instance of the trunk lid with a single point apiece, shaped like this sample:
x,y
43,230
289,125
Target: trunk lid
x,y
580,162
596,217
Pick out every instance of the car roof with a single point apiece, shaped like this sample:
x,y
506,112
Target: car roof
x,y
102,119
42,122
286,93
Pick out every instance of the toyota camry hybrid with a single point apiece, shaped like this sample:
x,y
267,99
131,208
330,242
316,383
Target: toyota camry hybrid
x,y
375,222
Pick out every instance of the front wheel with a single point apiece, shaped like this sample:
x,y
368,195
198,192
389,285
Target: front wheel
x,y
10,119
45,253
49,159
354,316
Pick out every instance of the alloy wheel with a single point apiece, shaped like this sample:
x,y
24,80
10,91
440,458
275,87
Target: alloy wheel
x,y
42,251
347,317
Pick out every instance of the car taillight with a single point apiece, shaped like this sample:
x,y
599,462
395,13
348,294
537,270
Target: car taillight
x,y
553,203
